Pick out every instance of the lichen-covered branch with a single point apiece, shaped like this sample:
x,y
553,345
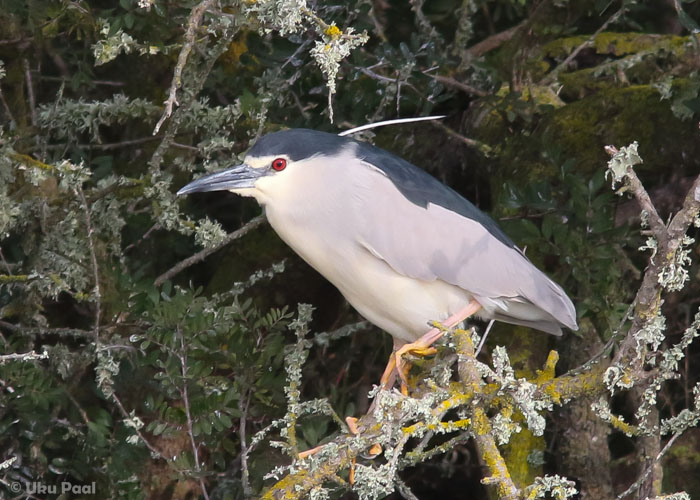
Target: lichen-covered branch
x,y
204,253
483,437
193,24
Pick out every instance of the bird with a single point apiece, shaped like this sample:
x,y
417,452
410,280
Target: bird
x,y
403,248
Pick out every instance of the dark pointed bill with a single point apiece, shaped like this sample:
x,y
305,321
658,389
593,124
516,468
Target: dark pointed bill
x,y
242,176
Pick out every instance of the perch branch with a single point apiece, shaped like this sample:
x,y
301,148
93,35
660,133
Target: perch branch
x,y
193,23
203,254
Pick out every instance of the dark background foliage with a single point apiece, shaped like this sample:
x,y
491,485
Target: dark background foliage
x,y
199,359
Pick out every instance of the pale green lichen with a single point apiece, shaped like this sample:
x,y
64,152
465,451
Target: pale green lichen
x,y
374,482
682,495
686,419
109,48
209,234
284,16
328,54
627,157
8,463
107,368
556,486
135,423
503,427
674,275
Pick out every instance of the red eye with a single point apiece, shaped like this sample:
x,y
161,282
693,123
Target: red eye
x,y
279,164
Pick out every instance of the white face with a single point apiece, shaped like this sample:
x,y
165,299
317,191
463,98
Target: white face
x,y
286,183
275,168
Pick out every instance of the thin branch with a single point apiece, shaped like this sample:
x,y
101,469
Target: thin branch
x,y
648,298
642,478
483,148
203,254
11,118
30,90
107,146
451,82
193,24
143,238
640,194
186,402
494,41
23,356
107,83
555,72
62,332
93,258
155,451
243,405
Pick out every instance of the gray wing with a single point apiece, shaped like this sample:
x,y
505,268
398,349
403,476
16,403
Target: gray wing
x,y
452,243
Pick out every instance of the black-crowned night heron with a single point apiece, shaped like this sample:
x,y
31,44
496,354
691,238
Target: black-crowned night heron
x,y
403,248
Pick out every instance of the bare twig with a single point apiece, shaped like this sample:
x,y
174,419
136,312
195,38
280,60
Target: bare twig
x,y
4,263
62,332
93,259
106,83
10,117
648,298
143,238
555,72
494,41
186,402
451,82
107,146
23,356
243,405
643,476
483,148
145,441
193,24
203,254
30,90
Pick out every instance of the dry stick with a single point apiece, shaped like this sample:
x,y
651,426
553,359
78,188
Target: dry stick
x,y
553,74
244,403
106,146
95,268
193,23
36,331
188,414
451,82
494,41
152,448
11,118
30,90
203,254
143,238
638,483
648,299
22,356
472,143
669,238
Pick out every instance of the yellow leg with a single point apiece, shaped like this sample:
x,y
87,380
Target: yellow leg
x,y
304,454
423,346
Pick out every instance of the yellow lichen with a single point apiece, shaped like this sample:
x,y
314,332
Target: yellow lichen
x,y
333,31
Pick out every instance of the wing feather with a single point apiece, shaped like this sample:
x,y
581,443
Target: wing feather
x,y
437,242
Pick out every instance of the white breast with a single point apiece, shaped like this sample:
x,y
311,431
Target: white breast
x,y
316,215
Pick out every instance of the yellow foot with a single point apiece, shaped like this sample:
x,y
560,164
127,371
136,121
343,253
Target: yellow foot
x,y
305,454
352,425
417,348
374,451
